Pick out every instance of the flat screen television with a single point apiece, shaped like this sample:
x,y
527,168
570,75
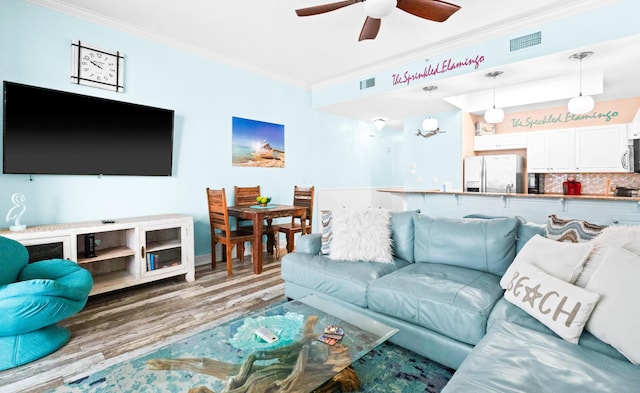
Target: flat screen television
x,y
55,132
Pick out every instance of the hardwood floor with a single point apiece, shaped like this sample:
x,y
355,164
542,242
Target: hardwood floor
x,y
121,325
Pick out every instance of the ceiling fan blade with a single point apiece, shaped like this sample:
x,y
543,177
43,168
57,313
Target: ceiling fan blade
x,y
370,29
435,10
321,9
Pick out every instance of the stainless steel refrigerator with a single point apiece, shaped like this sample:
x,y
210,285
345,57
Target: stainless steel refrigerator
x,y
501,173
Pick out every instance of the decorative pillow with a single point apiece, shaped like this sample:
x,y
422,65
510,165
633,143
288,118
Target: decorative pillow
x,y
559,259
627,237
616,319
562,307
361,235
325,217
574,231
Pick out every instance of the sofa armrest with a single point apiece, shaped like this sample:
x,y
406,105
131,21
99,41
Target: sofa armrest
x,y
309,244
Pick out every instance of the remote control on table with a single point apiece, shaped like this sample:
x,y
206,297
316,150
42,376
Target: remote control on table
x,y
266,334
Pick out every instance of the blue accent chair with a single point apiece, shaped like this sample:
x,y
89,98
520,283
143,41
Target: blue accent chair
x,y
33,298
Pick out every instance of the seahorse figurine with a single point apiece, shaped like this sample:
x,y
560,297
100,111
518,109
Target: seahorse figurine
x,y
16,212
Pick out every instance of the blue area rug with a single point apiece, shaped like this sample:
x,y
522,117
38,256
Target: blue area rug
x,y
392,369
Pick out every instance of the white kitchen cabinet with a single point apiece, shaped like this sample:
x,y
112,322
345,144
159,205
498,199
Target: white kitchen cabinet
x,y
500,142
602,149
551,151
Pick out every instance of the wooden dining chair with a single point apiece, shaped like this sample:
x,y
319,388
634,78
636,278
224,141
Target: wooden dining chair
x,y
221,231
302,196
246,196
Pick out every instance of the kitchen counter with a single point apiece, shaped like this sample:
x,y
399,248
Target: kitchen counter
x,y
512,195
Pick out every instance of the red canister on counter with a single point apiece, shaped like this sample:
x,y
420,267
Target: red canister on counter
x,y
571,186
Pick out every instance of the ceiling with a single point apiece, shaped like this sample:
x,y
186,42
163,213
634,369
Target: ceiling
x,y
315,51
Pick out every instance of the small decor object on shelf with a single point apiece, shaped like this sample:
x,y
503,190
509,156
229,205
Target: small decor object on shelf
x,y
484,128
96,67
263,200
16,212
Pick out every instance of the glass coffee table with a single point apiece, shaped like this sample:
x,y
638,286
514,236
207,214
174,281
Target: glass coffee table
x,y
232,358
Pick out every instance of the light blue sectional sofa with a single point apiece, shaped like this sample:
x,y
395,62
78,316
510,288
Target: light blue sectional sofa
x,y
442,292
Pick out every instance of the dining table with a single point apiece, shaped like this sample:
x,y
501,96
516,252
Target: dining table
x,y
258,215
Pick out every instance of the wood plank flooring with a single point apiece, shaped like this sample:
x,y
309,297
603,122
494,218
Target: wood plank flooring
x,y
118,326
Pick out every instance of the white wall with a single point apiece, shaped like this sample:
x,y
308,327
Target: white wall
x,y
322,150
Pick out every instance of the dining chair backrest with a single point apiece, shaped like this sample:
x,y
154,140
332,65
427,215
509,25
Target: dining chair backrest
x,y
245,196
221,230
303,196
218,214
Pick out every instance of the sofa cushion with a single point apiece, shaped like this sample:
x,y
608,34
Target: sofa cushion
x,y
563,307
402,234
616,319
484,245
345,280
505,311
570,230
361,235
563,260
512,358
623,236
450,300
326,217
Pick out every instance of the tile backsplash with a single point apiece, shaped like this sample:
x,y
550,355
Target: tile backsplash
x,y
592,183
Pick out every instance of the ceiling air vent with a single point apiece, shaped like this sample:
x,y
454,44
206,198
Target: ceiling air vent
x,y
526,41
367,83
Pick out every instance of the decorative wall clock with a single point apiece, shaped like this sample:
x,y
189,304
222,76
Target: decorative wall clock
x,y
96,67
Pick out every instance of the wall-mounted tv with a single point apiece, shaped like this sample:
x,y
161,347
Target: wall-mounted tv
x,y
55,132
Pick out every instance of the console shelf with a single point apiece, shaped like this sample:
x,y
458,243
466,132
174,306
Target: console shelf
x,y
128,252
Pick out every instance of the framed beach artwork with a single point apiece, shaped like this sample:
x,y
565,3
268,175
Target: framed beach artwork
x,y
257,143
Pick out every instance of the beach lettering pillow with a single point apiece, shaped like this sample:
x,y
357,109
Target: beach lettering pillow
x,y
562,307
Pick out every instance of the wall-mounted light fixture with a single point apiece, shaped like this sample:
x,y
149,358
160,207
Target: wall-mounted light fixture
x,y
580,104
379,122
494,115
429,124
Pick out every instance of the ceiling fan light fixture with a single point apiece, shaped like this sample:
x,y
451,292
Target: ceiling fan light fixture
x,y
581,104
494,115
379,8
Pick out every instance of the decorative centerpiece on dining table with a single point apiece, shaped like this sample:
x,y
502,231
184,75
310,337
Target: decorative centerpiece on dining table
x,y
263,200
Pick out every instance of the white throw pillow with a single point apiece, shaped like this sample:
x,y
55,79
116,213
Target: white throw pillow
x,y
563,260
616,319
361,235
627,237
562,307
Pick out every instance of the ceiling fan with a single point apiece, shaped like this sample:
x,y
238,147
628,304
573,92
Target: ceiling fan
x,y
430,133
435,10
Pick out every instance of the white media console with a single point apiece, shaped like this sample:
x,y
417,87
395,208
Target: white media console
x,y
128,251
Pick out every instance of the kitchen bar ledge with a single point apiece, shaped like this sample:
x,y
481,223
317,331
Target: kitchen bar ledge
x,y
399,190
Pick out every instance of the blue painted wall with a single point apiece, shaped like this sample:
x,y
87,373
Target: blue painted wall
x,y
321,149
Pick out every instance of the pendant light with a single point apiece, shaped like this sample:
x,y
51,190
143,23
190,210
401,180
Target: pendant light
x,y
580,104
429,124
494,115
